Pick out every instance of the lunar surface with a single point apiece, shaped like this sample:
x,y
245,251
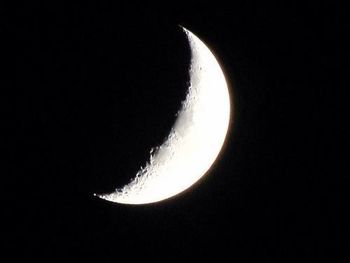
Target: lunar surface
x,y
194,141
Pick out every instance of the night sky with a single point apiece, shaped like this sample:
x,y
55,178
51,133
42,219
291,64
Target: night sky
x,y
91,88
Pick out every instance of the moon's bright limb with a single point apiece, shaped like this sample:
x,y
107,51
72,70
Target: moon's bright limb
x,y
195,139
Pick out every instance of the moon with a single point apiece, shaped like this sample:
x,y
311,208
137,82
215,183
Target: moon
x,y
195,140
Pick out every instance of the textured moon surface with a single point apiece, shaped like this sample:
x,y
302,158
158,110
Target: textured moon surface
x,y
194,141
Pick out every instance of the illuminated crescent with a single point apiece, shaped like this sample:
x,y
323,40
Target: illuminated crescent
x,y
194,141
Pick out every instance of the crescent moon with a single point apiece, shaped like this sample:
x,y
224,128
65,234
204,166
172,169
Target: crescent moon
x,y
194,141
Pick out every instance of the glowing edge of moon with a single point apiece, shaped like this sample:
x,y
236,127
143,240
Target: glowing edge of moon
x,y
195,140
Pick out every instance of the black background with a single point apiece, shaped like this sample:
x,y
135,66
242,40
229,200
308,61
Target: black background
x,y
91,88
